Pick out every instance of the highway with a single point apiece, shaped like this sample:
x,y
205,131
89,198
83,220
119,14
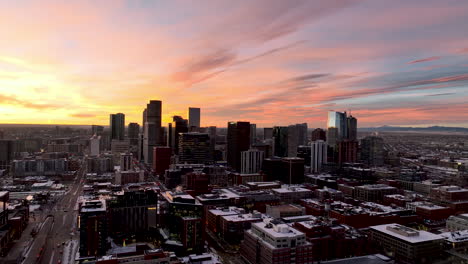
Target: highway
x,y
58,234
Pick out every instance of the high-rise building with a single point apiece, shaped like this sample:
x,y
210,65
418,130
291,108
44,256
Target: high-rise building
x,y
153,133
194,118
133,130
347,151
126,161
267,133
339,121
280,141
238,140
6,153
117,126
93,228
179,125
161,159
251,161
352,127
194,148
297,136
94,142
372,150
318,155
318,134
292,170
332,136
253,134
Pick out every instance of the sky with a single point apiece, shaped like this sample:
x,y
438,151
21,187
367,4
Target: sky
x,y
270,62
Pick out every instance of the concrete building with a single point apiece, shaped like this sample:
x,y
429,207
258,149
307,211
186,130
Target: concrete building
x,y
194,118
117,126
373,193
271,242
194,148
318,155
152,130
161,159
251,161
94,143
93,228
405,244
238,140
372,151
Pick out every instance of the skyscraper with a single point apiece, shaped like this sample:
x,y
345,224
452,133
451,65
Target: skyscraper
x,y
251,161
153,133
194,117
117,126
297,136
180,125
238,140
318,155
280,141
133,130
194,148
253,134
339,121
372,150
352,127
267,133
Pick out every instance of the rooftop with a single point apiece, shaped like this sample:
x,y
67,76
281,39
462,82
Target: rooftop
x,y
406,234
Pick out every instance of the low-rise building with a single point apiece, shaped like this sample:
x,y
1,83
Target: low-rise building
x,y
406,244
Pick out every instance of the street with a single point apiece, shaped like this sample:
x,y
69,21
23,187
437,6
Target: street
x,y
57,239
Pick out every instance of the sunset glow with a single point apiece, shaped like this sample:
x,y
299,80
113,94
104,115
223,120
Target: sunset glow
x,y
269,62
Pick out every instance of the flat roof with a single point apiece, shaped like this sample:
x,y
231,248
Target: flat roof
x,y
422,236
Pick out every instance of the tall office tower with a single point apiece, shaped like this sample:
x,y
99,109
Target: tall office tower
x,y
318,155
339,121
304,153
319,134
117,126
251,161
267,133
126,161
332,136
94,143
212,133
372,150
2,134
194,118
238,140
180,125
6,153
194,148
292,170
97,130
93,228
133,130
153,134
280,141
352,127
253,134
297,136
347,151
161,160
170,141
293,140
302,133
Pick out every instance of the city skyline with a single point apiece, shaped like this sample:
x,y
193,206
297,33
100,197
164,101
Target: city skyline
x,y
268,62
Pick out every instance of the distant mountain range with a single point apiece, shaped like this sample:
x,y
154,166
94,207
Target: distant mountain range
x,y
415,129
